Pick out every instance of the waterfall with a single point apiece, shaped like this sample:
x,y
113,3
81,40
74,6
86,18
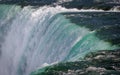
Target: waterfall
x,y
35,36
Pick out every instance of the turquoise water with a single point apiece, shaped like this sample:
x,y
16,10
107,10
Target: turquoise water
x,y
89,43
39,36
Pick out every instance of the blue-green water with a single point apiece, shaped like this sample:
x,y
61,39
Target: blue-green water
x,y
33,37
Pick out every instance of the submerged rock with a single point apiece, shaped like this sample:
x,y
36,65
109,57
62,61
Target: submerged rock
x,y
106,62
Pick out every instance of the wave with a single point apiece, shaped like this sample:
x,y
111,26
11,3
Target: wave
x,y
97,63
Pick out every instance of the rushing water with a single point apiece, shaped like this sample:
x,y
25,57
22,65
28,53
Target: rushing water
x,y
32,37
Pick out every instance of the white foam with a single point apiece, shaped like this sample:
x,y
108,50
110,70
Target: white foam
x,y
31,41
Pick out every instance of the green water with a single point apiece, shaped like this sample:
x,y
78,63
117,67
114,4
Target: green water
x,y
37,36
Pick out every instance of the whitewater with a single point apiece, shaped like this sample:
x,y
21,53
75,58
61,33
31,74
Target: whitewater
x,y
31,38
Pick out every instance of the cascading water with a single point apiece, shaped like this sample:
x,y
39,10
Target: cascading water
x,y
36,36
26,37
